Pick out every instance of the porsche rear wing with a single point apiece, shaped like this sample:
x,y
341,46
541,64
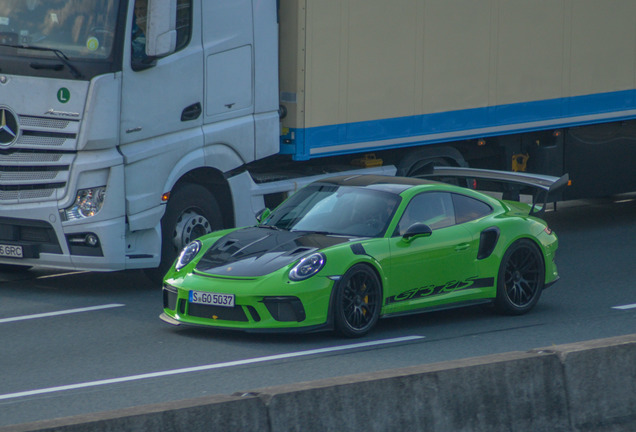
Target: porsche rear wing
x,y
544,186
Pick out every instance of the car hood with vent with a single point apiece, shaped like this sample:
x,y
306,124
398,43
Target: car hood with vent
x,y
257,251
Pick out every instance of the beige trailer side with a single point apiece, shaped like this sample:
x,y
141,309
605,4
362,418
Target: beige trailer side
x,y
348,61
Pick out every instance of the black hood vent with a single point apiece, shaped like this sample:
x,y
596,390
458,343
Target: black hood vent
x,y
300,251
254,251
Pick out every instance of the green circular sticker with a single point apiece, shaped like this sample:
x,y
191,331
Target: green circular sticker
x,y
92,44
63,95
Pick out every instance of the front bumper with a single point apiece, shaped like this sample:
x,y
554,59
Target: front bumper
x,y
286,306
49,241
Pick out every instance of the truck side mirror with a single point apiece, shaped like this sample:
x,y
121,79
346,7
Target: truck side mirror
x,y
161,39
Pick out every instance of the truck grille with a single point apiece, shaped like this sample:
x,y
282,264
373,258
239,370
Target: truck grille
x,y
34,236
37,166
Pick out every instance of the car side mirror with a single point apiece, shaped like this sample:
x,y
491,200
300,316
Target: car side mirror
x,y
263,215
417,230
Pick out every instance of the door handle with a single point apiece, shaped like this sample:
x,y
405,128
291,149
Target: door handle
x,y
191,112
462,247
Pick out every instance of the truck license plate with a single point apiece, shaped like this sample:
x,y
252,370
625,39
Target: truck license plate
x,y
11,251
224,300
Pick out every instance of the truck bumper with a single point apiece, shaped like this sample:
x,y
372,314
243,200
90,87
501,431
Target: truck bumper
x,y
44,242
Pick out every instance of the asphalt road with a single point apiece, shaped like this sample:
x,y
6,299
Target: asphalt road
x,y
76,343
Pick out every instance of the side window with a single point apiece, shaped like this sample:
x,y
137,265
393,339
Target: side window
x,y
140,59
138,42
467,208
184,23
434,209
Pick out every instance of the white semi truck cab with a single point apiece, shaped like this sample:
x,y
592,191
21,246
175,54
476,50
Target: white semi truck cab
x,y
130,127
97,135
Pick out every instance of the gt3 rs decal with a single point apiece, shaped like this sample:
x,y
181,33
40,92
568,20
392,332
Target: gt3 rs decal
x,y
448,287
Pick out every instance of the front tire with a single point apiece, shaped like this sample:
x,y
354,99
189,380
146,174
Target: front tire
x,y
191,212
358,301
521,278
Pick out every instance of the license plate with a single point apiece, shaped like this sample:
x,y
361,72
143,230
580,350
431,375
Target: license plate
x,y
11,251
213,299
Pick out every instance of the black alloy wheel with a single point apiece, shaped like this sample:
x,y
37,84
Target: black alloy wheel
x,y
358,301
521,278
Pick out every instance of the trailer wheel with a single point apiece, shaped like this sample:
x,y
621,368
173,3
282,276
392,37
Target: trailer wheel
x,y
425,166
191,212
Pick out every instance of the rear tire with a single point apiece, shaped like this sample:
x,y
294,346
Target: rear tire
x,y
358,301
521,278
191,212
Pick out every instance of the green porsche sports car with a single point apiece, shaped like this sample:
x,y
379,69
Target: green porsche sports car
x,y
345,251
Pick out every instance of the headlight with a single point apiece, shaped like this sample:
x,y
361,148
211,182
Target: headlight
x,y
187,254
307,267
88,203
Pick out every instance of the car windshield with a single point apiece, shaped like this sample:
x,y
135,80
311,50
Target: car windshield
x,y
336,210
49,28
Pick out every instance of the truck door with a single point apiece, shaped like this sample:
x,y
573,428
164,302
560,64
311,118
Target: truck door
x,y
161,105
157,93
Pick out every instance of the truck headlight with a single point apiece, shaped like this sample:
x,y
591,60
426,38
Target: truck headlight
x,y
88,203
307,267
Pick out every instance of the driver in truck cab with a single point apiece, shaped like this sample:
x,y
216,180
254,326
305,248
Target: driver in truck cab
x,y
139,32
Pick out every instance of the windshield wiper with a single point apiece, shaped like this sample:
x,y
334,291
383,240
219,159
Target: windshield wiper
x,y
58,53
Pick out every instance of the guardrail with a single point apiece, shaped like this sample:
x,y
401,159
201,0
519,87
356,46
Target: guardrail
x,y
587,386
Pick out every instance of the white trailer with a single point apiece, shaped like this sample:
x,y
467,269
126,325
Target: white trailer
x,y
113,158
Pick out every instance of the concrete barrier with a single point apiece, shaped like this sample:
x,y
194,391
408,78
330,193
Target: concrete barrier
x,y
587,386
514,391
600,379
213,413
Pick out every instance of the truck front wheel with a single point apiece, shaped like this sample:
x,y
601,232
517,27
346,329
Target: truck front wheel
x,y
191,212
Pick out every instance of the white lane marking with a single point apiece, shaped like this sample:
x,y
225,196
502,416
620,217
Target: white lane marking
x,y
62,274
625,307
62,312
209,367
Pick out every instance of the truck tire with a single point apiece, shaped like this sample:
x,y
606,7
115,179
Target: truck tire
x,y
422,169
421,161
425,166
192,211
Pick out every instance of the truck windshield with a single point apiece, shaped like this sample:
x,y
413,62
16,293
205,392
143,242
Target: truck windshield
x,y
75,29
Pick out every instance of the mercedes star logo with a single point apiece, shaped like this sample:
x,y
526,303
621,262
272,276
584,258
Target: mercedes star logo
x,y
8,127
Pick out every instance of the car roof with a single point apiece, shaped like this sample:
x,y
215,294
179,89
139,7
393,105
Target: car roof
x,y
395,185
